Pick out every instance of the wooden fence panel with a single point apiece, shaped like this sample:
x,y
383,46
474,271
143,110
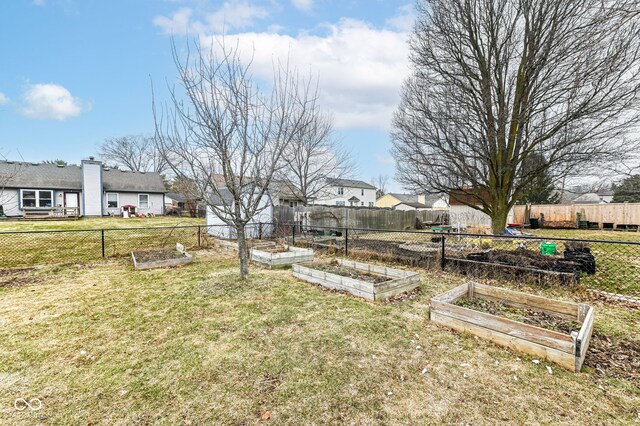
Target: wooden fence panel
x,y
614,214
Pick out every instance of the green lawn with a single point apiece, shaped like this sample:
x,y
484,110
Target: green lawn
x,y
97,223
102,344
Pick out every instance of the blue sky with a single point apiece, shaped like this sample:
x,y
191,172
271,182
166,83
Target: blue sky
x,y
75,72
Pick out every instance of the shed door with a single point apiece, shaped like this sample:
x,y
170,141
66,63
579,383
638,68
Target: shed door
x,y
71,199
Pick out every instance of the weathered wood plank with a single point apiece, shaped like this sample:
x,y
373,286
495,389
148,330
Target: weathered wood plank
x,y
453,294
549,338
519,299
583,339
561,358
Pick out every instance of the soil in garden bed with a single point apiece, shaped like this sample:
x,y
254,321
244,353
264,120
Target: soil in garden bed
x,y
345,271
153,255
527,316
273,249
527,259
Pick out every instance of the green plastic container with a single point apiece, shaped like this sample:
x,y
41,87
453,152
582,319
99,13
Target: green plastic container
x,y
548,249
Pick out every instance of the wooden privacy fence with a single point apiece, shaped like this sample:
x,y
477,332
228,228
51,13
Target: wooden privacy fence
x,y
611,215
357,217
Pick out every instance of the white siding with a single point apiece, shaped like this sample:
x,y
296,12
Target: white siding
x,y
156,202
260,224
92,188
9,201
331,197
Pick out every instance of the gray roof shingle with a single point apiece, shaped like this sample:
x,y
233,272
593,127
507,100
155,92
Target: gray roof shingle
x,y
349,183
51,176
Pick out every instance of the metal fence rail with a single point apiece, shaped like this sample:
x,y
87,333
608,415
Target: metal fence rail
x,y
612,266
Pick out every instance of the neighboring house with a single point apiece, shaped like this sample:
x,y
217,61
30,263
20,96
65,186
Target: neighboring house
x,y
413,202
92,188
173,199
285,193
347,192
600,197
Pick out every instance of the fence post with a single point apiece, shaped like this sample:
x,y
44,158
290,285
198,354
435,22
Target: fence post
x,y
293,235
346,241
102,235
442,255
199,237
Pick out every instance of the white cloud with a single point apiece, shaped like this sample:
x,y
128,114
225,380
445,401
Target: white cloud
x,y
4,99
385,160
404,20
304,5
38,2
360,67
233,14
51,101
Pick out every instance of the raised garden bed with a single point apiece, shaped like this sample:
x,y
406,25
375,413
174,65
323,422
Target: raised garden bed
x,y
160,258
551,329
281,255
233,244
371,282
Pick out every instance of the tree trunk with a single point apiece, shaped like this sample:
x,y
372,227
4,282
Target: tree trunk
x,y
243,252
499,220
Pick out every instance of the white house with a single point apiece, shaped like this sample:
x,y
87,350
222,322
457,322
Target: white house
x,y
347,192
91,188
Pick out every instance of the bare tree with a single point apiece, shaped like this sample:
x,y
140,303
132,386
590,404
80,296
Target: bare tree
x,y
380,182
495,81
228,136
315,155
133,152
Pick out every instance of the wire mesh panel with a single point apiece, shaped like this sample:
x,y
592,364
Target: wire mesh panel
x,y
607,265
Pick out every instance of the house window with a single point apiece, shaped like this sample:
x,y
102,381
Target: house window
x,y
112,200
341,191
362,203
293,204
362,192
36,198
340,203
143,201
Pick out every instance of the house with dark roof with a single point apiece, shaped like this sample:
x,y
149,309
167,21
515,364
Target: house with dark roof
x,y
347,192
90,188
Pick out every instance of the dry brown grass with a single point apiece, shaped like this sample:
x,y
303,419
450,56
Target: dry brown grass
x,y
101,343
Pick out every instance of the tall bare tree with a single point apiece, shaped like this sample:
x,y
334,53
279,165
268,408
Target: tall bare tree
x,y
495,81
134,152
315,155
228,136
380,182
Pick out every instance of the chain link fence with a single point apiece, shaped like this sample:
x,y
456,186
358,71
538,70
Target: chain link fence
x,y
607,265
612,266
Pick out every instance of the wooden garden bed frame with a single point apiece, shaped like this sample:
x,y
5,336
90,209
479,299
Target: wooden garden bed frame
x,y
400,281
290,256
163,263
233,244
566,350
